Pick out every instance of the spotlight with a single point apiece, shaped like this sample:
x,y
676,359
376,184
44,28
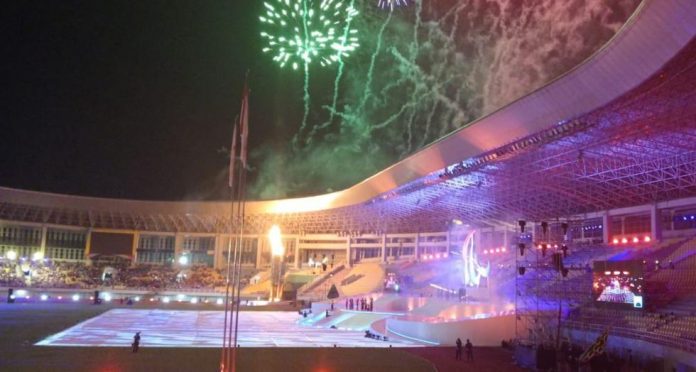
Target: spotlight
x,y
624,240
165,300
635,239
44,297
521,270
522,224
37,256
76,297
615,241
521,247
647,239
219,301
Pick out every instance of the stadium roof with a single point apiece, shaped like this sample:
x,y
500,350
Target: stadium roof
x,y
616,131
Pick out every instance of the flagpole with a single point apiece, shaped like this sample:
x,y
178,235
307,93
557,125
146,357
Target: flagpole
x,y
243,157
238,262
238,197
233,157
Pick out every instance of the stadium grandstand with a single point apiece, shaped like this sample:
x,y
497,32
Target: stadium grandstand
x,y
568,213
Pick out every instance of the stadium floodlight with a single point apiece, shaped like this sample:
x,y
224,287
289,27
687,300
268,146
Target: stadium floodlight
x,y
219,301
276,240
107,297
76,297
11,255
183,260
37,256
44,297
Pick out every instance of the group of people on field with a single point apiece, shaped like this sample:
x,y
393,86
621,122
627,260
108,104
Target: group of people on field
x,y
469,350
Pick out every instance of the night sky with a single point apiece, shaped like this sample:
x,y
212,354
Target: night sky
x,y
128,99
136,99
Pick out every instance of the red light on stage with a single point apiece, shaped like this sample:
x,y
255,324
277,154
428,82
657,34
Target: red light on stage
x,y
615,241
502,249
635,239
647,239
624,240
497,250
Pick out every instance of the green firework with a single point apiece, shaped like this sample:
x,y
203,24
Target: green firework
x,y
298,32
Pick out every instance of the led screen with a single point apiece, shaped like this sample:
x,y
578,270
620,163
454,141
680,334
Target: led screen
x,y
619,282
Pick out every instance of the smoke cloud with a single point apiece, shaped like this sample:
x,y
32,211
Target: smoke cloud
x,y
437,66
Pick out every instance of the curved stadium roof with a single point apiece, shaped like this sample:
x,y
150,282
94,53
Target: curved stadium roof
x,y
618,130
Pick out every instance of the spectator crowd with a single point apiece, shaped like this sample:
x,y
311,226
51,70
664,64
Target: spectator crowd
x,y
49,274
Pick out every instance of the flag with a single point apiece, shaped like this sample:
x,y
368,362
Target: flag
x,y
233,154
244,124
596,348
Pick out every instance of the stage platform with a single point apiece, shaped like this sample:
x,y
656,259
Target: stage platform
x,y
183,328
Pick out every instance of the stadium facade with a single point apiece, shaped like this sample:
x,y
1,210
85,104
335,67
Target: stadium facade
x,y
609,145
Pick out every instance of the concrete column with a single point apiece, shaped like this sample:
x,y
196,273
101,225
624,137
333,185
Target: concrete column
x,y
260,243
134,248
217,257
606,228
655,224
297,253
349,261
178,247
416,250
42,247
384,247
448,239
671,220
88,245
